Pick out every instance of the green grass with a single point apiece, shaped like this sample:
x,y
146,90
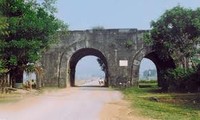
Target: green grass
x,y
147,84
9,98
170,106
17,95
147,81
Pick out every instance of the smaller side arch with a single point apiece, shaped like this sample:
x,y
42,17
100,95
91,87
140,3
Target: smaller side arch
x,y
160,64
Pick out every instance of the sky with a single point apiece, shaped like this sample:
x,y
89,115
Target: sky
x,y
88,67
86,14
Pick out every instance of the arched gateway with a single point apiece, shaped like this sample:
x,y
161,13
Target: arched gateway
x,y
80,54
121,50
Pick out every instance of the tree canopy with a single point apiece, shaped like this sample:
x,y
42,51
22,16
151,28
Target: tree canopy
x,y
176,33
32,29
3,32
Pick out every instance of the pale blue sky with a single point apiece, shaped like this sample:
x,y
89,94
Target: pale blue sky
x,y
88,67
86,14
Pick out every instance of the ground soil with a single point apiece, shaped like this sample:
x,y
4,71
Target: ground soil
x,y
82,103
120,110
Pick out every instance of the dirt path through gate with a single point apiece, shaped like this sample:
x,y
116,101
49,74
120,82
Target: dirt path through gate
x,y
83,103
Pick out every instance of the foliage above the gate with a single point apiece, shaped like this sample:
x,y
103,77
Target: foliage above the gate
x,y
176,33
129,43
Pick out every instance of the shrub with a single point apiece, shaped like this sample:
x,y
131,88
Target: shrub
x,y
180,80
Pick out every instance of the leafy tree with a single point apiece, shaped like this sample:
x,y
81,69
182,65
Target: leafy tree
x,y
175,34
32,29
102,64
3,32
150,73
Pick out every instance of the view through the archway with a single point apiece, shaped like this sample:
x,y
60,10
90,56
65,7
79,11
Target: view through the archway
x,y
147,73
88,72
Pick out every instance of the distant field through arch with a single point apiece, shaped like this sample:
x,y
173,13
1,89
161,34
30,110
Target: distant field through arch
x,y
88,72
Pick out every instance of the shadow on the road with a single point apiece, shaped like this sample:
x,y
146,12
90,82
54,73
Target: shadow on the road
x,y
89,86
93,88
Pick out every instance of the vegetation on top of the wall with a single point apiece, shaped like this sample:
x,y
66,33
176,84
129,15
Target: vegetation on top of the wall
x,y
98,28
129,43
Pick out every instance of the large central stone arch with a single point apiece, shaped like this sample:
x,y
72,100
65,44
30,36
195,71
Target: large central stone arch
x,y
80,54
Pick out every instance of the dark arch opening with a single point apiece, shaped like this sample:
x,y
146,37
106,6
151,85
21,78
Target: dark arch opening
x,y
160,64
80,54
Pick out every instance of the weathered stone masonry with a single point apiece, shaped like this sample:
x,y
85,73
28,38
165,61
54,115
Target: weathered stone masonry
x,y
120,49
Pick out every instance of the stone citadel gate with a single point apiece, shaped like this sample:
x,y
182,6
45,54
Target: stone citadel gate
x,y
121,51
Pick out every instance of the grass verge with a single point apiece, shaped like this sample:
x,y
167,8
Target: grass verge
x,y
23,93
164,106
10,98
17,95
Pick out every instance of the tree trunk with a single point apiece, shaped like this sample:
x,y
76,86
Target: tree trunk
x,y
184,63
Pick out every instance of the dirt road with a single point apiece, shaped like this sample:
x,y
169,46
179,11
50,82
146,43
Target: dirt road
x,y
83,103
